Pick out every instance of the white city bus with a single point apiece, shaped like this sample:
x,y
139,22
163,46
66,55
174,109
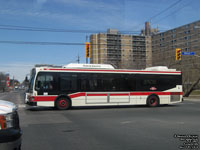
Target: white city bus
x,y
102,85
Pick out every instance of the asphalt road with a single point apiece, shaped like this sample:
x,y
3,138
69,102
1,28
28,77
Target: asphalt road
x,y
109,128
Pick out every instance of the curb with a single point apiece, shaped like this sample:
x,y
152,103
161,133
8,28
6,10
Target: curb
x,y
192,98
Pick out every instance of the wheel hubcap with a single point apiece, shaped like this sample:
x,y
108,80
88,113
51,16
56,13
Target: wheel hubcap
x,y
153,102
62,103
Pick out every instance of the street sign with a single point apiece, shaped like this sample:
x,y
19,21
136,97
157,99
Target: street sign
x,y
188,53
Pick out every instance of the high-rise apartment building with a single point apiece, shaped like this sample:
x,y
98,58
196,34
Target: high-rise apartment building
x,y
151,48
121,50
187,38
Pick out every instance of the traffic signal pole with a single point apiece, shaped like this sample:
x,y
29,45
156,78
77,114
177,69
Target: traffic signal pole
x,y
87,51
178,54
86,60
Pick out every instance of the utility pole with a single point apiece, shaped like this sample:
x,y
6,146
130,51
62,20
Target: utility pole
x,y
86,41
78,59
13,83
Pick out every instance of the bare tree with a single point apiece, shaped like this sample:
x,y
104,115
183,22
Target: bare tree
x,y
196,67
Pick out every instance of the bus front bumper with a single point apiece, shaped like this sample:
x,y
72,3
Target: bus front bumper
x,y
32,103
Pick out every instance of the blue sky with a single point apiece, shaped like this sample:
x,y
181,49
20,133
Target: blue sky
x,y
92,15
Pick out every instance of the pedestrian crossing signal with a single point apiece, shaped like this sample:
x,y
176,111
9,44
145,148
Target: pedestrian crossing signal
x,y
87,50
178,54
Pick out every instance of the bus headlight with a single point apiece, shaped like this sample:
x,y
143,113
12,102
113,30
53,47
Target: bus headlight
x,y
6,121
31,98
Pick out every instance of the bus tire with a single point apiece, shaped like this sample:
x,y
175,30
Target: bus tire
x,y
63,103
153,101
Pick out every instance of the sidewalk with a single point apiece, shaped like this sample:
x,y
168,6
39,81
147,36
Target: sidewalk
x,y
192,98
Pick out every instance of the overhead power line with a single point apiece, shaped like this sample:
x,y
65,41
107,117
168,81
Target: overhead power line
x,y
156,15
166,9
2,27
172,13
58,43
39,29
39,43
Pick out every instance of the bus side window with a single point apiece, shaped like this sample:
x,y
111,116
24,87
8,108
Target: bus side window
x,y
45,82
83,81
93,84
149,82
131,82
68,82
119,82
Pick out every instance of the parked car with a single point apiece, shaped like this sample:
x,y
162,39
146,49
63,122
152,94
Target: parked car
x,y
10,131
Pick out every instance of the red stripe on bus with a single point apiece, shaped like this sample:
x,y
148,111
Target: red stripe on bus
x,y
119,94
98,94
76,95
44,98
157,93
122,71
176,93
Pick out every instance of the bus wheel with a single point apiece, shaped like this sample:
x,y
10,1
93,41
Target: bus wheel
x,y
153,101
63,103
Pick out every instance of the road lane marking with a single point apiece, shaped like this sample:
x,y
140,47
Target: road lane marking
x,y
125,122
21,105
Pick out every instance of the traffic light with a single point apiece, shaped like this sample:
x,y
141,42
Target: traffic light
x,y
178,54
87,49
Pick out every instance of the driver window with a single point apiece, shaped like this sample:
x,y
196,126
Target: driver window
x,y
44,82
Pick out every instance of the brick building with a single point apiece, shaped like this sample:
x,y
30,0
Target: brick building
x,y
187,38
121,50
151,48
